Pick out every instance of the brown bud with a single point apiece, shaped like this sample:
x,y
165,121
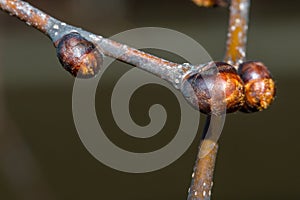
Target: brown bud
x,y
215,89
79,56
259,86
211,3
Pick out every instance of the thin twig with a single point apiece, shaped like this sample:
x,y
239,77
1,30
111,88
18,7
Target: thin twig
x,y
235,53
202,178
237,32
55,29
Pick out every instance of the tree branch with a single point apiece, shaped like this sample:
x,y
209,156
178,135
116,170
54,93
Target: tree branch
x,y
202,178
69,39
235,53
56,29
237,32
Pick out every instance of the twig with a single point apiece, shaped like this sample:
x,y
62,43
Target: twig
x,y
172,72
69,39
202,178
235,53
62,35
56,29
237,32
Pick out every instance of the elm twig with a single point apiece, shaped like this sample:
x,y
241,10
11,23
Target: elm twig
x,y
235,53
202,177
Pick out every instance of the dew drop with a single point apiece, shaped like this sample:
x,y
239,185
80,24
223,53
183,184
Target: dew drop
x,y
43,16
56,27
242,6
230,62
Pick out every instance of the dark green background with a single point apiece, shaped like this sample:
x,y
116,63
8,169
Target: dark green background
x,y
258,156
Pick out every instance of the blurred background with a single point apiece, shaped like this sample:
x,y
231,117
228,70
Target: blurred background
x,y
42,157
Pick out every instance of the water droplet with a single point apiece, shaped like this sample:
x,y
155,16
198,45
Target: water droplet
x,y
242,52
240,61
242,6
56,27
94,37
74,31
230,62
43,16
204,193
237,21
186,64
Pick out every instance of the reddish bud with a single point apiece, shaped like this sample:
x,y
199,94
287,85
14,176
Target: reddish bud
x,y
79,56
260,88
216,89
